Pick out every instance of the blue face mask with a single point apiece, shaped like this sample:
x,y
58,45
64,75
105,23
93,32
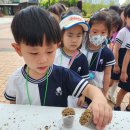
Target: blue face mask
x,y
97,39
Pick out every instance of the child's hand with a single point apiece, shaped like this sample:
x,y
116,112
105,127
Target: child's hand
x,y
102,113
81,101
124,77
116,69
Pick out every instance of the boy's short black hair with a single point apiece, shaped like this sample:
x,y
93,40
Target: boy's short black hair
x,y
101,17
32,24
127,11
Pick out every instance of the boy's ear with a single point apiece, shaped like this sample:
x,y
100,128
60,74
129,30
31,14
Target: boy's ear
x,y
17,48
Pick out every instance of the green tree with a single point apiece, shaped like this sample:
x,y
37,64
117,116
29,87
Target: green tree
x,y
72,2
91,8
47,3
126,2
112,2
53,1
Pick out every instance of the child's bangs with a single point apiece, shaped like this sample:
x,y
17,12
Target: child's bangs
x,y
32,24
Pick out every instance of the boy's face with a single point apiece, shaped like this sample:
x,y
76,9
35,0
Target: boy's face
x,y
72,38
37,58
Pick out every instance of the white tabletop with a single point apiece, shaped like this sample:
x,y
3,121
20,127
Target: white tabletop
x,y
25,117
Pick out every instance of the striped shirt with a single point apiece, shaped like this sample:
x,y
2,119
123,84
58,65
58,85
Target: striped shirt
x,y
123,37
128,45
79,65
62,82
97,61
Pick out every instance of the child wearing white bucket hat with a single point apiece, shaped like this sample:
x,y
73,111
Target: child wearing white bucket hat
x,y
68,55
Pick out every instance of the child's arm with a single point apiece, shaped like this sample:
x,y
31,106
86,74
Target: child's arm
x,y
111,46
126,61
116,55
106,80
102,112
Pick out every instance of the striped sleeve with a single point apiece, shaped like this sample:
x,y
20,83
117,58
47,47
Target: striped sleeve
x,y
109,57
9,97
128,46
120,36
86,76
79,88
110,63
10,90
119,41
73,82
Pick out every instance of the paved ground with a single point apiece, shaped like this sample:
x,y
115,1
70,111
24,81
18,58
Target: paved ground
x,y
10,61
6,37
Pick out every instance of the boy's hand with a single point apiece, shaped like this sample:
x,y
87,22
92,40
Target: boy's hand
x,y
124,77
102,113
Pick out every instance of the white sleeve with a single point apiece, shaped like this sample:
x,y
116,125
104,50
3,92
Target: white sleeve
x,y
120,36
10,91
128,46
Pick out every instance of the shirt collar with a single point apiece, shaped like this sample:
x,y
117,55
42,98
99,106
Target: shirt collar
x,y
32,80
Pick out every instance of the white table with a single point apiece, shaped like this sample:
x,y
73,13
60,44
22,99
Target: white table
x,y
25,117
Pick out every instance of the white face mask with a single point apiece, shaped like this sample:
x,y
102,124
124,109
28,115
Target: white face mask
x,y
97,39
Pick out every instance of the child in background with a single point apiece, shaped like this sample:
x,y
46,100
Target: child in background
x,y
122,39
39,82
116,26
126,61
115,8
100,57
56,10
69,56
122,8
125,75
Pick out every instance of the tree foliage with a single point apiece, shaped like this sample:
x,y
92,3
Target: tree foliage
x,y
72,2
91,8
47,3
126,2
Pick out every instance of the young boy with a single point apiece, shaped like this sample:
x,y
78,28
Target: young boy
x,y
39,82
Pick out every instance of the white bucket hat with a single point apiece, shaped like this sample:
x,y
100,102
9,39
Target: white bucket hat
x,y
73,20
